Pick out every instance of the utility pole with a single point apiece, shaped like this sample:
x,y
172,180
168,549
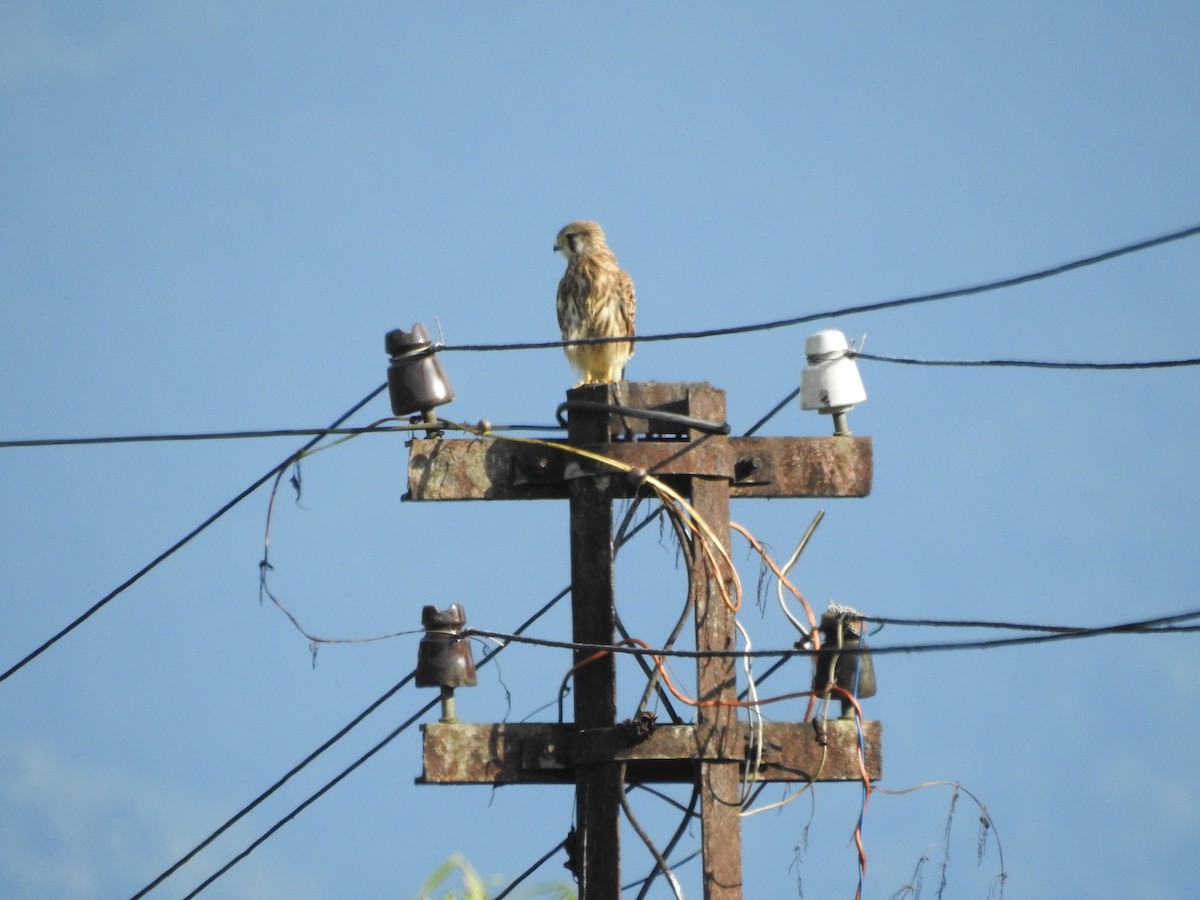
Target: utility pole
x,y
593,751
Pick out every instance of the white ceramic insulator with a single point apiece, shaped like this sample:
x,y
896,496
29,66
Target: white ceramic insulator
x,y
831,381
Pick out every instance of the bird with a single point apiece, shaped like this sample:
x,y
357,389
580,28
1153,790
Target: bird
x,y
595,300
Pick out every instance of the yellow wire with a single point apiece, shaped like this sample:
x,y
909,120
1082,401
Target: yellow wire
x,y
691,519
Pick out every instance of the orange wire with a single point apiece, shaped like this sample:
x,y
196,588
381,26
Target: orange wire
x,y
782,578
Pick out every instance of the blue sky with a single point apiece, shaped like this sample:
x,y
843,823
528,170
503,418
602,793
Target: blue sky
x,y
213,212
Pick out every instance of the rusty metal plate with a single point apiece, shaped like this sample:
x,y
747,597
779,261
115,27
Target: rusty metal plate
x,y
802,467
545,753
483,469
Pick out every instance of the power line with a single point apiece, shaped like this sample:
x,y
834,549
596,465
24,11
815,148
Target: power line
x,y
277,785
1160,625
96,607
981,288
451,426
314,797
270,433
1031,363
719,332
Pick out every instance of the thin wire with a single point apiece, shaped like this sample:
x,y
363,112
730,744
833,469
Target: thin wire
x,y
1160,625
651,672
985,816
787,567
659,858
754,753
186,538
1032,363
981,288
537,865
652,683
313,798
276,786
240,435
688,813
972,623
686,859
775,410
683,420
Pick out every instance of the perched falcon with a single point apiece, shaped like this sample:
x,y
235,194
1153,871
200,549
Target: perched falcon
x,y
595,299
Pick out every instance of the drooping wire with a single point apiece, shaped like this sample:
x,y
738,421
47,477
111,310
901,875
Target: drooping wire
x,y
985,821
980,288
259,482
652,683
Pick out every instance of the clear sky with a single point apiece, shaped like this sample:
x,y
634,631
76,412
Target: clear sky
x,y
210,215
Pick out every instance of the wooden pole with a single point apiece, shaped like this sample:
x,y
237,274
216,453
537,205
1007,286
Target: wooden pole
x,y
717,726
597,785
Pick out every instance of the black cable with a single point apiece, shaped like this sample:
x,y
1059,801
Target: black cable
x,y
659,859
853,310
279,432
186,538
537,865
688,813
634,412
1031,363
205,436
312,799
792,395
276,786
633,884
970,623
1161,625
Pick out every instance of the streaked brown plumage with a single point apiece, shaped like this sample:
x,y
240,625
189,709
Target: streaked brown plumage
x,y
595,299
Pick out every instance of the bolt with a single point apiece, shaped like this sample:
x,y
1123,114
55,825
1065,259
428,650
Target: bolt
x,y
448,712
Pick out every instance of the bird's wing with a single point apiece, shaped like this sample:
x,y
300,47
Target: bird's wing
x,y
628,303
